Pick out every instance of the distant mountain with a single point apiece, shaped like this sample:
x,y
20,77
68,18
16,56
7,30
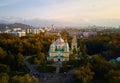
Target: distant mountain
x,y
47,22
34,22
15,25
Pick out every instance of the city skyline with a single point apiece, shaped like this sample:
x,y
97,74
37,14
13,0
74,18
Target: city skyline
x,y
76,12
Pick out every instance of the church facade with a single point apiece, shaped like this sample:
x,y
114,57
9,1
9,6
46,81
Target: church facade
x,y
60,50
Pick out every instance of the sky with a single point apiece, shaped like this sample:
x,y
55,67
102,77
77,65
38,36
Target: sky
x,y
77,12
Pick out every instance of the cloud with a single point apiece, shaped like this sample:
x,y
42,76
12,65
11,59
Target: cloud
x,y
73,11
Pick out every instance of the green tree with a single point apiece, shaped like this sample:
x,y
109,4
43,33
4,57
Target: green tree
x,y
100,66
10,60
24,79
64,33
4,78
41,57
113,76
20,60
36,61
94,46
4,68
2,54
72,56
84,74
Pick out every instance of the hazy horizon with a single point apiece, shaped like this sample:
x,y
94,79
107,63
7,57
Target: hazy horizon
x,y
62,12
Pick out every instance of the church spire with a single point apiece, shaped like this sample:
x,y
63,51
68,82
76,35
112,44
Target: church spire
x,y
74,42
59,35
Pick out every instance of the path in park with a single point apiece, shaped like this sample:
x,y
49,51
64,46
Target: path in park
x,y
58,65
31,67
49,77
57,78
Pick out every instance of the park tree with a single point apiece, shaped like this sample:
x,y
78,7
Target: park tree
x,y
20,48
64,33
20,60
42,57
84,74
38,46
84,50
113,76
2,54
4,68
94,46
4,78
36,61
24,79
72,56
10,60
100,66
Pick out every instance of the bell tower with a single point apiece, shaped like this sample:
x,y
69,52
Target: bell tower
x,y
74,42
66,46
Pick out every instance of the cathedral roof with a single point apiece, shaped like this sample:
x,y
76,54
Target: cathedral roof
x,y
60,41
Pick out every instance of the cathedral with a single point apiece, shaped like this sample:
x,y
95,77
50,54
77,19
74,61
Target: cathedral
x,y
60,50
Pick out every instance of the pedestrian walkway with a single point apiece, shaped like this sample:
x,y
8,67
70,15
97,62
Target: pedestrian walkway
x,y
50,77
57,78
58,65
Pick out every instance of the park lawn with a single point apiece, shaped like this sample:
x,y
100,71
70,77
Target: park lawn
x,y
47,69
65,69
22,71
31,60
